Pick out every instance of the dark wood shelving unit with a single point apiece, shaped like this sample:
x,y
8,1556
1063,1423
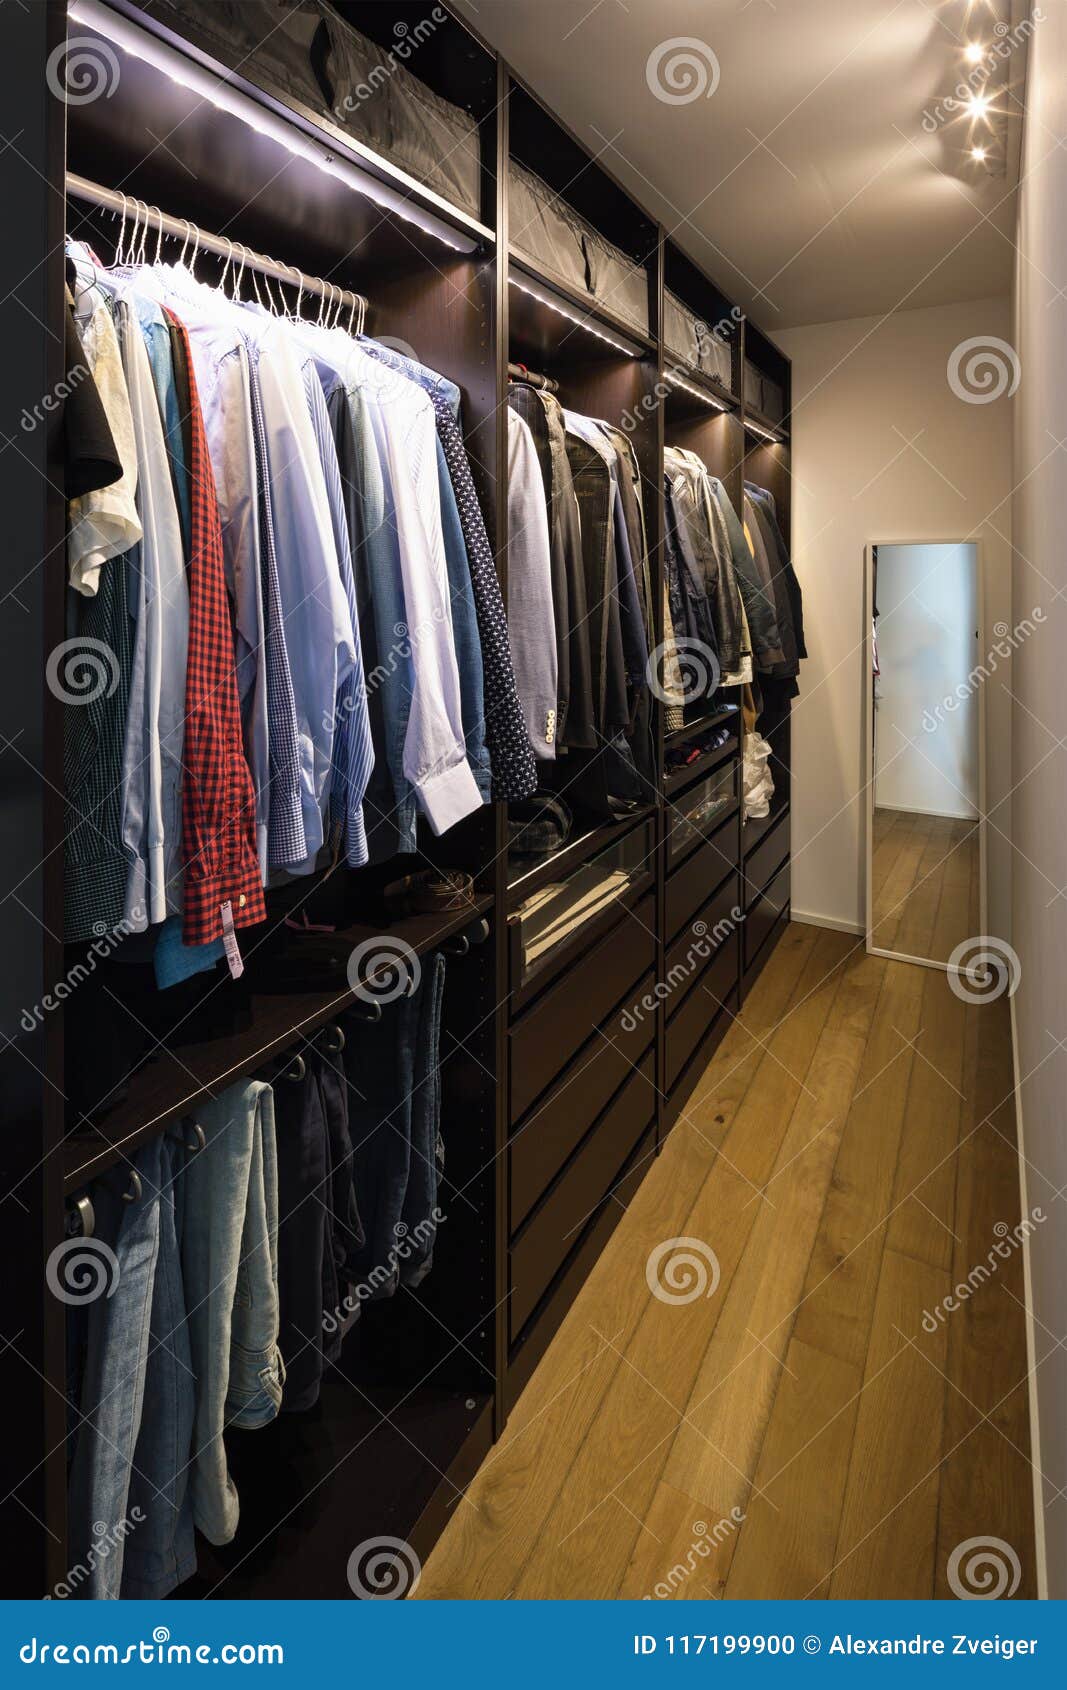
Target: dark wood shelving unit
x,y
557,1092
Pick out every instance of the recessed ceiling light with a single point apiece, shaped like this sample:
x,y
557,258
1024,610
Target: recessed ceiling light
x,y
978,105
973,52
978,154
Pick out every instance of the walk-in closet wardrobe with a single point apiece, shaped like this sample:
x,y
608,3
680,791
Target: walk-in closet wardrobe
x,y
485,243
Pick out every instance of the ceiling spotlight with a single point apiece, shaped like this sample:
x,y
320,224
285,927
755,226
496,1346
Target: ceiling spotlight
x,y
973,52
978,154
978,105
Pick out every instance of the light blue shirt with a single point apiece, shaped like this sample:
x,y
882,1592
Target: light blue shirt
x,y
159,597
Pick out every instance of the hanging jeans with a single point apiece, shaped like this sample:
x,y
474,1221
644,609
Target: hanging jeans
x,y
394,1115
161,1552
229,1259
419,1216
318,1224
113,1382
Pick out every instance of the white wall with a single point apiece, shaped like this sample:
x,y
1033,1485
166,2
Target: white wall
x,y
926,716
883,450
1040,765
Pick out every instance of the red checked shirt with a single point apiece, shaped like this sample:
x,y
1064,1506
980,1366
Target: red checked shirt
x,y
218,802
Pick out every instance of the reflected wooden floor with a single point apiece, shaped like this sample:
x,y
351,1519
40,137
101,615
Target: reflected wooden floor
x,y
817,1424
924,883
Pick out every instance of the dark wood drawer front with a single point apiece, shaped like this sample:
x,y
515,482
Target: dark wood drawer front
x,y
706,1043
547,1136
764,913
555,1228
694,949
765,860
545,1037
689,1023
693,880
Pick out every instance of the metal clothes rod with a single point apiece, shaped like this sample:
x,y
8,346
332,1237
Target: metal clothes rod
x,y
519,372
182,229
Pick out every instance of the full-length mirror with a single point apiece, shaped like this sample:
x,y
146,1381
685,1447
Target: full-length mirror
x,y
925,856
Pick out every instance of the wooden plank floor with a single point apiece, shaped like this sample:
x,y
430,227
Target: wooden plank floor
x,y
924,883
816,1424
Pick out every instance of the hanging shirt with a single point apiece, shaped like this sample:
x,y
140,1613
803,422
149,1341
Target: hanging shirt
x,y
510,753
353,757
435,757
218,804
159,603
315,619
104,523
531,618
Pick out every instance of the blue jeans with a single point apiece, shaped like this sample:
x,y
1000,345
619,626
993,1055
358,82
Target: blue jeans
x,y
161,1553
394,1118
113,1382
230,1264
427,1145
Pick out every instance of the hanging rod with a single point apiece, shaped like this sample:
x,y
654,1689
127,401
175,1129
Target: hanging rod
x,y
182,229
519,372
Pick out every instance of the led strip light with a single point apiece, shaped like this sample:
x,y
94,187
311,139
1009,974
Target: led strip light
x,y
698,392
221,93
764,433
583,322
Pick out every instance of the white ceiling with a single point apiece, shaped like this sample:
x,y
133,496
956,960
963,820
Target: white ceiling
x,y
806,184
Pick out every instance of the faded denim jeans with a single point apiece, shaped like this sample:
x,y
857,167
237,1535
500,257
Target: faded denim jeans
x,y
113,1383
230,1265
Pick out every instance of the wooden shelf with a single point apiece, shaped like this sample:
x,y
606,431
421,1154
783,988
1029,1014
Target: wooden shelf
x,y
181,1076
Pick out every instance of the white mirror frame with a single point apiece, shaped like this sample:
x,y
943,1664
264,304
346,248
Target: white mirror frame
x,y
868,747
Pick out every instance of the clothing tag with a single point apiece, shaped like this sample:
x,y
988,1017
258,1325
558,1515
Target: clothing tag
x,y
550,726
229,942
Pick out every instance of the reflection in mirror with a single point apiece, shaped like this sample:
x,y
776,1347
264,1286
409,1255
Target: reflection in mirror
x,y
924,863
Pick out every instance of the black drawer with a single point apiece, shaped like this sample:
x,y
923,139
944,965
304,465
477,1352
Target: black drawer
x,y
546,1036
697,813
548,1135
687,1026
764,913
762,864
689,885
555,1228
688,1076
694,949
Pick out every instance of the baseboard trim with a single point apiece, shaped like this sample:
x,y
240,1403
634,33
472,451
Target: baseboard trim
x,y
922,810
830,921
1040,1552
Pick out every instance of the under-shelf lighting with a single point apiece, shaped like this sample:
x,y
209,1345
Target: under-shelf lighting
x,y
676,380
764,433
221,93
572,316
